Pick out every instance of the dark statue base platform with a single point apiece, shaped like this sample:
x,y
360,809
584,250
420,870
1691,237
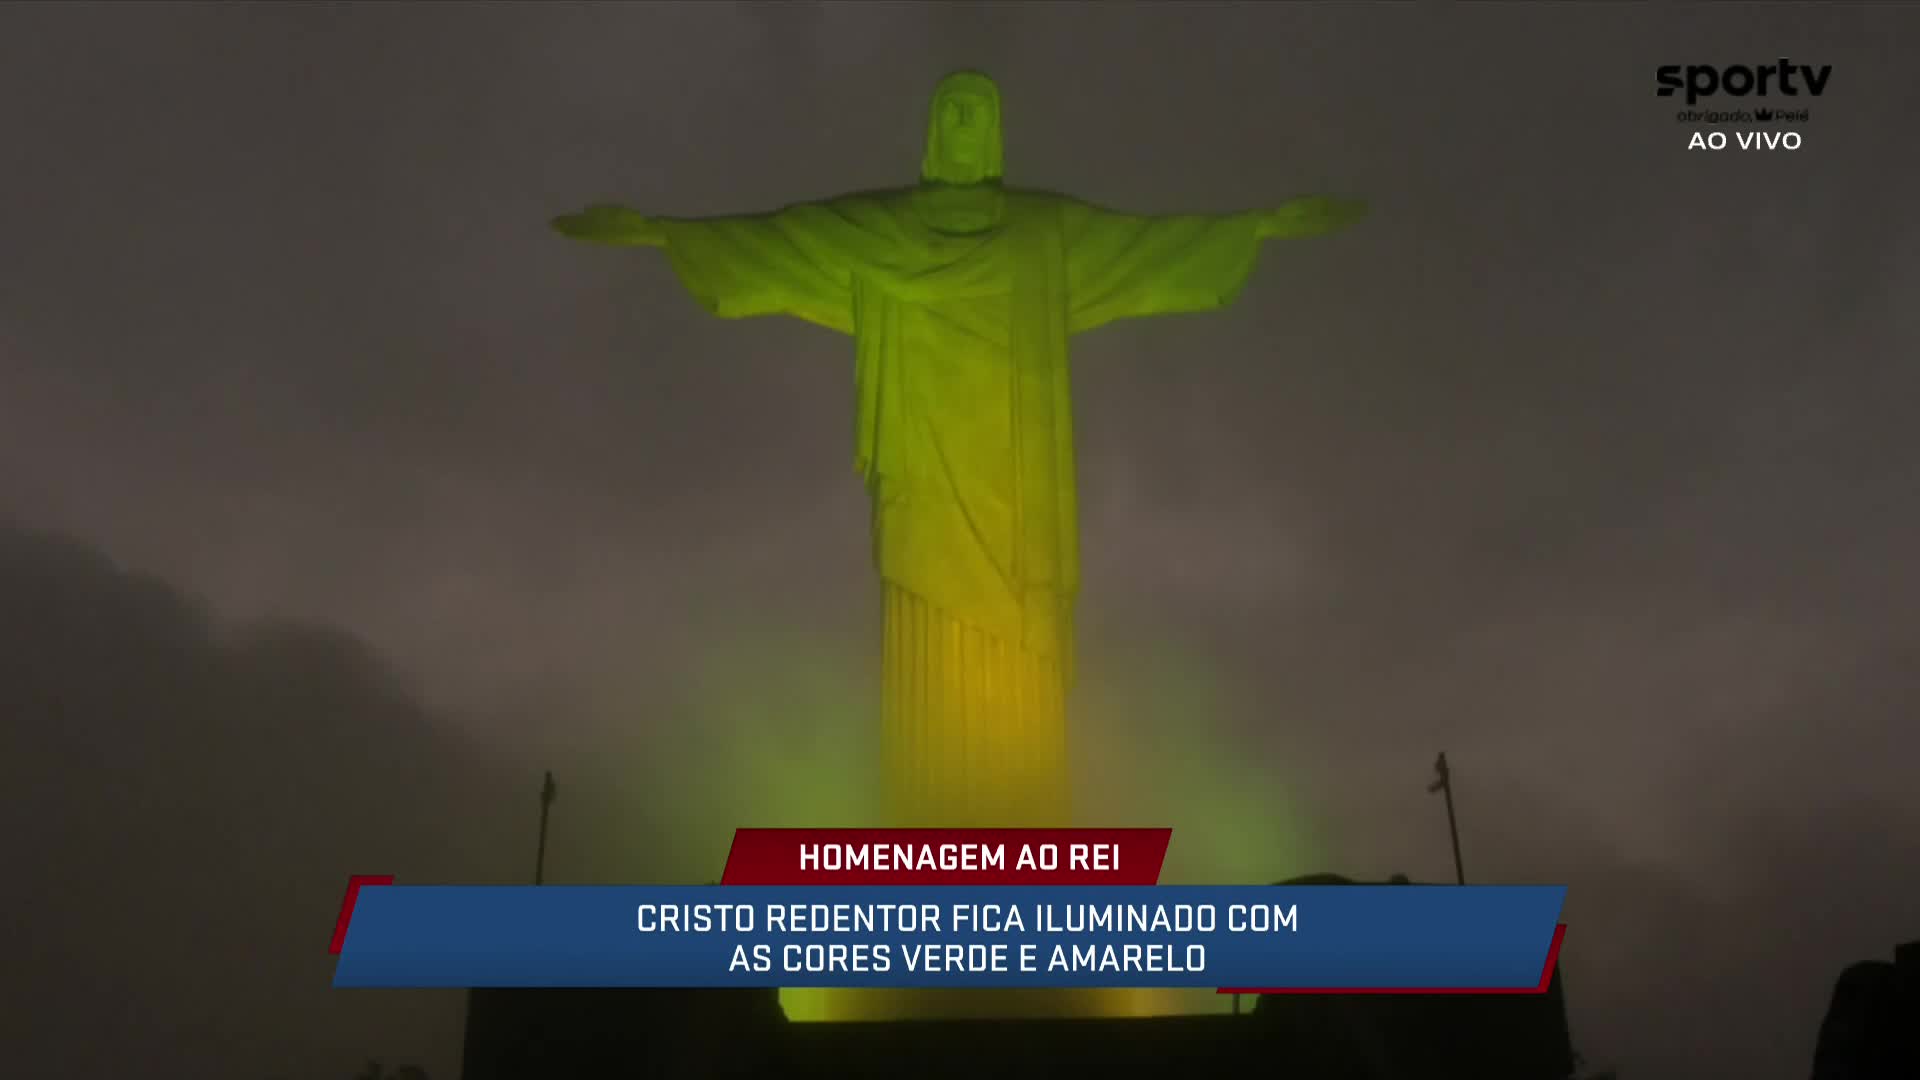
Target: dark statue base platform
x,y
589,1034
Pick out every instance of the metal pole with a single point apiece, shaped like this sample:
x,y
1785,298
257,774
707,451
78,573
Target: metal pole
x,y
547,792
1445,785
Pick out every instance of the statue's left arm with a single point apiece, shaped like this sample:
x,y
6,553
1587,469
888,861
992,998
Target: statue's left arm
x,y
1122,266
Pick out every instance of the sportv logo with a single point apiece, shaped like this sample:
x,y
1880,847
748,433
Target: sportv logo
x,y
1740,80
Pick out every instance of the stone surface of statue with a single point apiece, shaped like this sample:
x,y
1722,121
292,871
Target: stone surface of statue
x,y
961,295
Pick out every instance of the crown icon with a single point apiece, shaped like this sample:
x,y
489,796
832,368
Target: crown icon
x,y
1763,115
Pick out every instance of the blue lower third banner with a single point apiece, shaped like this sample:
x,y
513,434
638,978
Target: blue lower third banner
x,y
1343,937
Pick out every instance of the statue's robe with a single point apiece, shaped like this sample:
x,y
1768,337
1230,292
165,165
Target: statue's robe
x,y
961,303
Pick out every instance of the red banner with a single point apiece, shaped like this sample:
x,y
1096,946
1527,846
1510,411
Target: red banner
x,y
946,857
354,884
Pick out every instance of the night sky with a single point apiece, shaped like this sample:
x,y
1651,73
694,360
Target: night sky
x,y
342,497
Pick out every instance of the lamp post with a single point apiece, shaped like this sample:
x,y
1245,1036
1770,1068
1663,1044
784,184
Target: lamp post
x,y
547,792
1444,784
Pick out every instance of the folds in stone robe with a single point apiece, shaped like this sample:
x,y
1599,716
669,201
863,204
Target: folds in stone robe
x,y
964,438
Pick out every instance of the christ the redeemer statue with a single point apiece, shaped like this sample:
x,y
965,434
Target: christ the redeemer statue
x,y
961,295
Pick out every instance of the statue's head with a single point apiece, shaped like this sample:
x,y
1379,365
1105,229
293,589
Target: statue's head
x,y
963,131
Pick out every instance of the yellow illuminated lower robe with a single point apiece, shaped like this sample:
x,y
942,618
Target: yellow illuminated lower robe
x,y
975,736
974,728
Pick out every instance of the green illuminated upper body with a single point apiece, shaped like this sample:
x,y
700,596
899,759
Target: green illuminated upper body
x,y
961,296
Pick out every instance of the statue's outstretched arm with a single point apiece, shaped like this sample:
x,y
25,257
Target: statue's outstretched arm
x,y
1311,216
786,262
615,226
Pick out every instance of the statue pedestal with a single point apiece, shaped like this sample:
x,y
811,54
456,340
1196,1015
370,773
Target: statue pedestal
x,y
952,1004
740,1035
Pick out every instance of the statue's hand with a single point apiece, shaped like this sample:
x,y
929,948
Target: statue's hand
x,y
1310,216
614,225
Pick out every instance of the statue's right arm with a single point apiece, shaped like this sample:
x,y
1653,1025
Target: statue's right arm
x,y
792,261
1311,216
615,226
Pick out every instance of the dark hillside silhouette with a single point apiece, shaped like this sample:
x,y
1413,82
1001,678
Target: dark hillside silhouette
x,y
1872,1027
194,797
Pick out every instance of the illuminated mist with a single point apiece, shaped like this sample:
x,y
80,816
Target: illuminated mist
x,y
780,730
